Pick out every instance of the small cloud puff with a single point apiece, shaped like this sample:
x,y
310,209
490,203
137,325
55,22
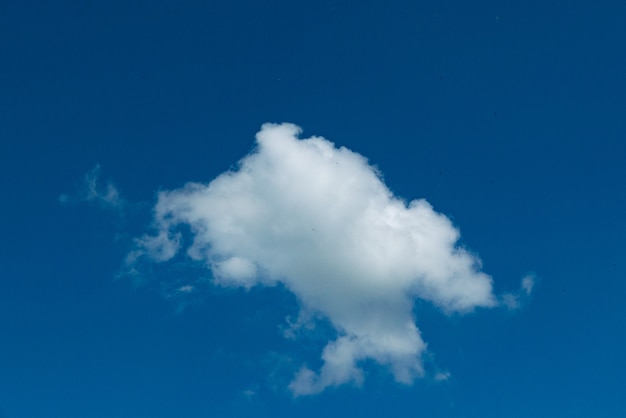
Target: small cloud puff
x,y
528,283
236,271
319,219
442,376
514,300
185,289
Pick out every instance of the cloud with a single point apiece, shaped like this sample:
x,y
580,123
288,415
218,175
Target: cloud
x,y
319,219
93,190
514,300
442,376
528,284
185,289
511,301
249,393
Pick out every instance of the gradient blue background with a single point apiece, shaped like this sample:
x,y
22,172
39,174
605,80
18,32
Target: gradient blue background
x,y
509,117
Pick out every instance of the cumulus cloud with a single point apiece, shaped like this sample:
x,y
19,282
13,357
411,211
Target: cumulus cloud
x,y
319,219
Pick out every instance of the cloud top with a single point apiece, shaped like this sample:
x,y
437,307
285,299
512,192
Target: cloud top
x,y
319,219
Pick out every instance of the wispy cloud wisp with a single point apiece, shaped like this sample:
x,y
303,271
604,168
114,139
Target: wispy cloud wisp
x,y
93,190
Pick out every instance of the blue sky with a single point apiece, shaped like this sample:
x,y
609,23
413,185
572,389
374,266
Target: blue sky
x,y
507,117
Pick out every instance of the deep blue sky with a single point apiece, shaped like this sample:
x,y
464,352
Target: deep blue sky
x,y
507,116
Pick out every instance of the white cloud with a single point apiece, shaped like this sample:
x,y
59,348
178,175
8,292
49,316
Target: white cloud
x,y
514,300
442,376
305,321
319,219
236,271
160,247
511,301
185,289
249,393
106,194
94,191
528,284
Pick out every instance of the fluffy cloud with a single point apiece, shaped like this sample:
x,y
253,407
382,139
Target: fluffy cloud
x,y
319,219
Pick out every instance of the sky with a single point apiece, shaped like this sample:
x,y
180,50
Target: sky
x,y
289,208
